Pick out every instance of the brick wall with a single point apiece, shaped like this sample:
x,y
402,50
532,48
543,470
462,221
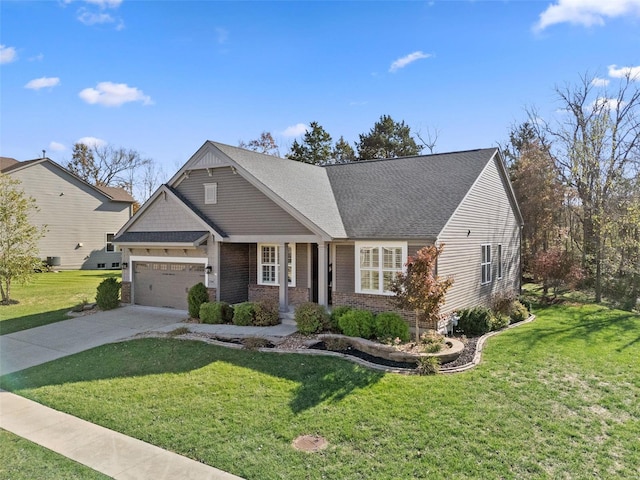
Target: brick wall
x,y
125,292
212,294
297,295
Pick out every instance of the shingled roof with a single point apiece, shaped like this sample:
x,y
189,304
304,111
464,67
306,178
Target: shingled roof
x,y
404,197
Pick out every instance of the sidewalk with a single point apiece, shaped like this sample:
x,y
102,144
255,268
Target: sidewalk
x,y
99,448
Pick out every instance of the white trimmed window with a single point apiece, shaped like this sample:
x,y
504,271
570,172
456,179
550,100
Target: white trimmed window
x,y
210,193
377,264
269,264
109,246
499,261
485,265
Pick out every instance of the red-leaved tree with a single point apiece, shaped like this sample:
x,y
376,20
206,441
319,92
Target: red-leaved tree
x,y
418,288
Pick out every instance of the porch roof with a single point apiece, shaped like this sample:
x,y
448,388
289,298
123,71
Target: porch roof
x,y
182,239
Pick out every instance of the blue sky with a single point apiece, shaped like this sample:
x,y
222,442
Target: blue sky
x,y
162,77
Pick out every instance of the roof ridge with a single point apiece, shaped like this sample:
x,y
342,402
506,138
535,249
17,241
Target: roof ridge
x,y
428,155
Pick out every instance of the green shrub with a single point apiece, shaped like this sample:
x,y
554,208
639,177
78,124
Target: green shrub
x,y
390,325
336,313
432,347
475,321
428,366
499,321
255,343
336,344
357,323
267,313
518,312
243,314
108,294
197,295
311,318
216,312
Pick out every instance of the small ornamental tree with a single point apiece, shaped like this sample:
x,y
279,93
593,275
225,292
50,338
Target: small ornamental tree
x,y
418,288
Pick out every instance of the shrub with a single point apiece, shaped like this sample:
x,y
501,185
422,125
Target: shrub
x,y
502,303
357,323
216,312
499,321
390,325
432,347
311,318
179,331
197,295
518,312
336,344
428,366
243,314
255,343
475,321
336,313
267,313
108,294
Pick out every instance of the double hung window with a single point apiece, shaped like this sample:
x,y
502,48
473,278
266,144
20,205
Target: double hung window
x,y
377,266
485,266
269,264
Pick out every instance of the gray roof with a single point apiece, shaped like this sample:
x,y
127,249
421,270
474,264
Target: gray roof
x,y
408,197
305,187
160,237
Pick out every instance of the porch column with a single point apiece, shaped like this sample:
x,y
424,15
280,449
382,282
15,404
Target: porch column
x,y
283,279
323,273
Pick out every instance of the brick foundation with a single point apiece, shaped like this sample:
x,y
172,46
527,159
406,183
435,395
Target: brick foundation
x,y
212,294
125,292
297,295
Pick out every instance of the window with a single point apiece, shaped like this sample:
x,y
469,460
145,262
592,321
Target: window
x,y
485,266
110,247
377,265
101,265
115,265
499,261
210,193
268,264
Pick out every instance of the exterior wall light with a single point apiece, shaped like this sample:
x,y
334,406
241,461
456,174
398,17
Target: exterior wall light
x,y
208,269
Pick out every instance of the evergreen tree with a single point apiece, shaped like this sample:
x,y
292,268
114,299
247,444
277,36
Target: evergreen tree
x,y
387,139
315,147
343,152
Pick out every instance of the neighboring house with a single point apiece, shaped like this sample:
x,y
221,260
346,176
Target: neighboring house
x,y
81,219
251,226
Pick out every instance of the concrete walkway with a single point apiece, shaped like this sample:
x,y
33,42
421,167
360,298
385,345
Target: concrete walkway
x,y
99,448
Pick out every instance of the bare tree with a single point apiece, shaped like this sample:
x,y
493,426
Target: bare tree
x,y
429,139
264,144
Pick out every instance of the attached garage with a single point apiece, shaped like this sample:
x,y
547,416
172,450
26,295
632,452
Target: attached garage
x,y
159,284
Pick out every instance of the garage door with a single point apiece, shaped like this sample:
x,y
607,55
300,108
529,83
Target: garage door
x,y
165,284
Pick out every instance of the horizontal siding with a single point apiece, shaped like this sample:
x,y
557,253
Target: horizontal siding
x,y
74,214
241,209
484,217
344,269
165,214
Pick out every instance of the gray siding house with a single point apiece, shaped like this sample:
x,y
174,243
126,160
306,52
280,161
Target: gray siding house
x,y
252,226
81,219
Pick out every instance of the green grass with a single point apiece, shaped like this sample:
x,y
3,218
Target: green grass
x,y
556,398
49,297
21,459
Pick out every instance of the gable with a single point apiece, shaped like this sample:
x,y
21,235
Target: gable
x,y
165,214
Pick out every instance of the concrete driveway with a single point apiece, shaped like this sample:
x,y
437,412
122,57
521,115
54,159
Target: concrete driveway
x,y
38,345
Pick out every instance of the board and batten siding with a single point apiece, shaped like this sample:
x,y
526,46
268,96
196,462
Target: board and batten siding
x,y
344,273
165,214
485,216
234,272
241,209
77,217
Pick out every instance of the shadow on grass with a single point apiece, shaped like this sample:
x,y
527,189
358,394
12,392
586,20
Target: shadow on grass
x,y
31,321
318,379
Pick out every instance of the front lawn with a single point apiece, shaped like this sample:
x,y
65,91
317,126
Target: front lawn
x,y
556,398
49,297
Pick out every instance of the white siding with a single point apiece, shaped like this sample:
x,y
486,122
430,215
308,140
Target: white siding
x,y
485,216
77,217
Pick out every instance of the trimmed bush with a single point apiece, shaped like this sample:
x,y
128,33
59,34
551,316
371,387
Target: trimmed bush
x,y
311,318
475,321
108,294
357,323
243,314
390,325
499,321
336,313
518,312
197,295
216,312
267,313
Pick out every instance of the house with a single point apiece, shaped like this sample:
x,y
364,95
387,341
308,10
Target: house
x,y
252,226
81,219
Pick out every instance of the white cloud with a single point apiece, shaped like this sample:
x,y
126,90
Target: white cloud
x,y
36,58
112,94
92,141
599,82
295,130
7,54
586,12
92,18
57,147
633,72
44,82
404,61
603,103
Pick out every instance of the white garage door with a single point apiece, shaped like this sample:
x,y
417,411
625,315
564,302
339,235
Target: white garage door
x,y
165,284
